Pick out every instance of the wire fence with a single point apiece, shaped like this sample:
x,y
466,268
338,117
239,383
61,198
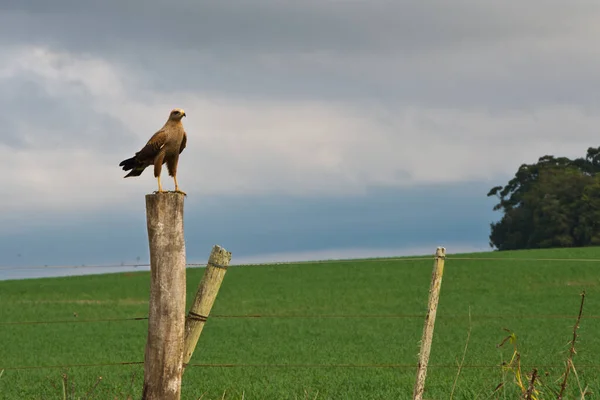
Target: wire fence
x,y
316,316
113,266
291,365
275,263
305,316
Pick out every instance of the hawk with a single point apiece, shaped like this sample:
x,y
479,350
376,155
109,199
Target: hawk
x,y
163,147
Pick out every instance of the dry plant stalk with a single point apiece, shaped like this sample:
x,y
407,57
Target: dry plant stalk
x,y
89,392
572,351
65,384
531,388
462,362
514,365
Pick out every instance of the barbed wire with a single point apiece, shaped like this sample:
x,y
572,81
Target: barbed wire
x,y
6,268
451,316
524,259
315,316
332,261
290,365
9,268
74,320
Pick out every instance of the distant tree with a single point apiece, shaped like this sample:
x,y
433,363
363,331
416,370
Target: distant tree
x,y
552,203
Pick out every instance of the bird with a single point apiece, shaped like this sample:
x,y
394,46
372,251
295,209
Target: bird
x,y
164,146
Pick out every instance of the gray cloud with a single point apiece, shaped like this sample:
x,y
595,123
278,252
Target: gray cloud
x,y
467,54
304,99
39,119
297,147
265,26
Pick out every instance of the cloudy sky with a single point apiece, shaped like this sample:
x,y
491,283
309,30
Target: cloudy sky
x,y
315,129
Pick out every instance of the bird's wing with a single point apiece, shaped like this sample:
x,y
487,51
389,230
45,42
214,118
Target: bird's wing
x,y
183,143
156,142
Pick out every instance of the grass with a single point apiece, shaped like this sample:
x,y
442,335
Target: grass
x,y
303,292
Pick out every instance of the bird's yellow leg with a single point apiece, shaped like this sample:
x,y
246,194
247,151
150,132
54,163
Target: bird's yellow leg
x,y
159,185
177,186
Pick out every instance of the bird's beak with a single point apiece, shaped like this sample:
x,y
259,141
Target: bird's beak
x,y
183,115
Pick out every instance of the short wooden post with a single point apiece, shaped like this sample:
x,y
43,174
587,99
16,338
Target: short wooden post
x,y
166,317
434,295
205,297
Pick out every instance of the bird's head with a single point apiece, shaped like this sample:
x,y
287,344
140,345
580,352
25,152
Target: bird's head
x,y
177,114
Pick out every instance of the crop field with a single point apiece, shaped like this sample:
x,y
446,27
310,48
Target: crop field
x,y
327,330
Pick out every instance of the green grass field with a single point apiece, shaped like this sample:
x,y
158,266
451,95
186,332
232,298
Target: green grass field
x,y
300,293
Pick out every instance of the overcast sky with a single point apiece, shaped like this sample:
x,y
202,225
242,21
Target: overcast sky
x,y
315,128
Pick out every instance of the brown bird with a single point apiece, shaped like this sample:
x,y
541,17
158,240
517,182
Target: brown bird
x,y
163,147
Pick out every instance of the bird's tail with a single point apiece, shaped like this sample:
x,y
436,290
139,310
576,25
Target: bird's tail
x,y
133,165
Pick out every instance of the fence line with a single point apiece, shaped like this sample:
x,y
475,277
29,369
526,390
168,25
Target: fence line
x,y
71,321
524,259
254,365
312,316
316,316
34,267
274,263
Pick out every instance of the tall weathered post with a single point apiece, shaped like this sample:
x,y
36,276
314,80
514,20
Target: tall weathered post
x,y
205,298
166,318
427,338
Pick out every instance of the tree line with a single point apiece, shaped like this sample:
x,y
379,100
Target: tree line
x,y
552,203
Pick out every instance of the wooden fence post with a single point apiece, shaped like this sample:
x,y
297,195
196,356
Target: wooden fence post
x,y
166,317
205,297
434,296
